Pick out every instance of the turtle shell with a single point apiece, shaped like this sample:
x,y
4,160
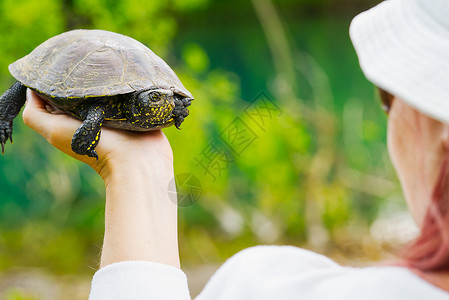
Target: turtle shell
x,y
91,63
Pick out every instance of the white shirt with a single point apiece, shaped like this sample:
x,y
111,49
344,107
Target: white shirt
x,y
264,272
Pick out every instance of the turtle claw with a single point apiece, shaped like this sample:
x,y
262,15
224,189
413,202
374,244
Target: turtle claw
x,y
92,153
5,133
178,121
80,149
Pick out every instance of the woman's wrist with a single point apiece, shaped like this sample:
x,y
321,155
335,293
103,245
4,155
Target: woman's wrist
x,y
132,165
140,217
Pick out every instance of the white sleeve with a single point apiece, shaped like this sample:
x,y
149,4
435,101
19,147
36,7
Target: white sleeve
x,y
138,280
265,272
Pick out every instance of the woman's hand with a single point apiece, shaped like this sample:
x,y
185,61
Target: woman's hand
x,y
140,217
116,147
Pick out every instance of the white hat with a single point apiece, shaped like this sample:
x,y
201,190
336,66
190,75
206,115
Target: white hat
x,y
403,47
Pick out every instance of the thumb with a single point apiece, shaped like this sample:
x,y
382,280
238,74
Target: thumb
x,y
56,128
49,125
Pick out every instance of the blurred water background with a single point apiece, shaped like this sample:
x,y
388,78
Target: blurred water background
x,y
285,143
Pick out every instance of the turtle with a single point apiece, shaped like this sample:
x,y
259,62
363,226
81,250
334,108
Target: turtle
x,y
101,78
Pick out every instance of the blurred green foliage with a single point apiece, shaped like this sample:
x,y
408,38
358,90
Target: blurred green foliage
x,y
18,295
314,170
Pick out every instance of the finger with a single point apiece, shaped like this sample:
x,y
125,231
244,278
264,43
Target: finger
x,y
37,117
56,128
34,114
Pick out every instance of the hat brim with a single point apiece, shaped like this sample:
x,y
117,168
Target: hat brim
x,y
403,50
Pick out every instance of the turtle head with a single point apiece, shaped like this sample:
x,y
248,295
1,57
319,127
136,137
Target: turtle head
x,y
152,107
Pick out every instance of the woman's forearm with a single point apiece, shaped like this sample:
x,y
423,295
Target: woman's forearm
x,y
140,219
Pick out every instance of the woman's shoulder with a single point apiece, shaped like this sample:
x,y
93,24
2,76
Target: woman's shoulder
x,y
278,257
286,272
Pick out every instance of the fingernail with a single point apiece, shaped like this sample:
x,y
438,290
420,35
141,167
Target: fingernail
x,y
28,94
49,108
54,110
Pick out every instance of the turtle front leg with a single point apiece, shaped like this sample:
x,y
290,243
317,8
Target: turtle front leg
x,y
87,136
10,104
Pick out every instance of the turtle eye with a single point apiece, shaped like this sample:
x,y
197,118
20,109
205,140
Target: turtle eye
x,y
155,96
